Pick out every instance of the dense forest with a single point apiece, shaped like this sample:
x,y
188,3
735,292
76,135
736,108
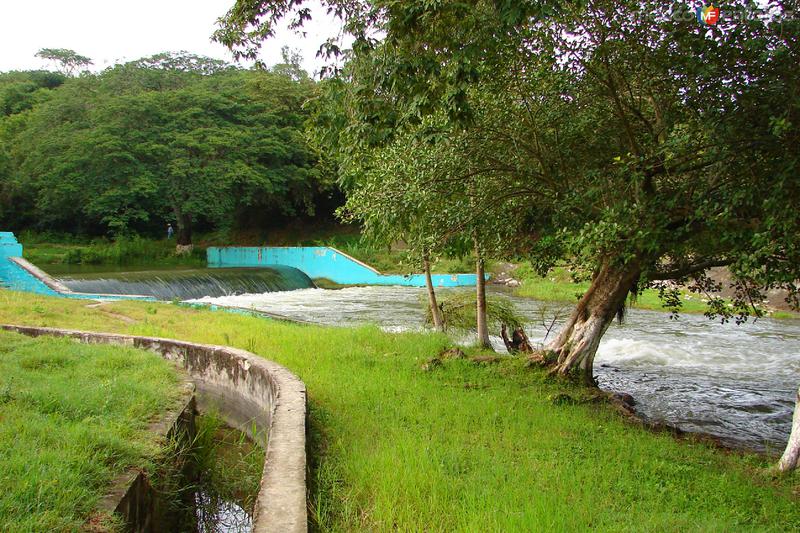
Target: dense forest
x,y
170,139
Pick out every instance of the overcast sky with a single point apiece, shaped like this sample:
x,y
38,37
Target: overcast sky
x,y
112,31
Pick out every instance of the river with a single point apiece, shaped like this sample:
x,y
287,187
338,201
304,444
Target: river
x,y
734,382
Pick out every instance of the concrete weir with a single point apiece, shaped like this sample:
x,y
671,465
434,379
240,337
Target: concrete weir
x,y
248,391
325,262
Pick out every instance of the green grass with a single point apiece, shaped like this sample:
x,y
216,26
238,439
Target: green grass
x,y
464,447
122,252
229,466
72,417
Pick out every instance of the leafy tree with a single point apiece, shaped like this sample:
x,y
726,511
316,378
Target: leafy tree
x,y
19,92
290,65
165,142
647,151
67,61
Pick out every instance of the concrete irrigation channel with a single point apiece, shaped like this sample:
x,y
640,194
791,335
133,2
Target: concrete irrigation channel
x,y
248,392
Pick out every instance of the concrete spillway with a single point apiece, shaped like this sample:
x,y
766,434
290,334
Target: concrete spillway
x,y
195,283
18,274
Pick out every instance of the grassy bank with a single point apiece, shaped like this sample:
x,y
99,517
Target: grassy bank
x,y
122,252
558,286
464,446
72,417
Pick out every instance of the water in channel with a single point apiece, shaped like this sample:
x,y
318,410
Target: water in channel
x,y
734,382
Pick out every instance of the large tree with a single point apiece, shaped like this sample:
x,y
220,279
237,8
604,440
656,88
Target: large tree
x,y
65,60
649,149
170,138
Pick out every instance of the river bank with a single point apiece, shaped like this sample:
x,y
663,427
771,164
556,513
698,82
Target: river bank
x,y
735,382
465,445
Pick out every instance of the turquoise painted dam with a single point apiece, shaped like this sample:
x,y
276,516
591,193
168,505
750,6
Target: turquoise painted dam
x,y
325,262
232,271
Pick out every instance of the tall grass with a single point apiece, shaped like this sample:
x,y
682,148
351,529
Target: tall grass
x,y
123,251
466,446
72,417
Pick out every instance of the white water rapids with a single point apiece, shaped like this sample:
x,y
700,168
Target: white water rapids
x,y
734,382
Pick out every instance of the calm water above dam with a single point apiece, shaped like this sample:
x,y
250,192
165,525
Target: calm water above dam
x,y
734,382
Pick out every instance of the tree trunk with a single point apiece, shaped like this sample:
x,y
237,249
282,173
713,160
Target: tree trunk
x,y
518,342
577,342
436,313
184,230
482,325
791,455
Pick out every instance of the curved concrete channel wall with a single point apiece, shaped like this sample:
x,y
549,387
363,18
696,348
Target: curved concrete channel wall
x,y
248,391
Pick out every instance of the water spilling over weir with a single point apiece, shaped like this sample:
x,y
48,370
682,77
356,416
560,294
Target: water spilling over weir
x,y
189,284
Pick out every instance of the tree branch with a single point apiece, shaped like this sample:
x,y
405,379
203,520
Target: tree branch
x,y
679,273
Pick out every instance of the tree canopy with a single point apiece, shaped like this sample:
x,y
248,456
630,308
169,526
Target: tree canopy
x,y
67,61
170,138
628,139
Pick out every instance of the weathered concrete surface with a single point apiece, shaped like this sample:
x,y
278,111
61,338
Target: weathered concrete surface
x,y
248,390
18,274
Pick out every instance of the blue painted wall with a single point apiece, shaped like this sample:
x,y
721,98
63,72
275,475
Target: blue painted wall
x,y
325,262
11,275
16,278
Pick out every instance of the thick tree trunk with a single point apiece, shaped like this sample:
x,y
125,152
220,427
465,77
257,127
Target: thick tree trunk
x,y
791,456
184,230
436,313
482,324
577,342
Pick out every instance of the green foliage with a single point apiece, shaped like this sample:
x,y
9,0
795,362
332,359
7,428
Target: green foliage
x,y
171,138
56,251
228,467
459,311
67,61
659,148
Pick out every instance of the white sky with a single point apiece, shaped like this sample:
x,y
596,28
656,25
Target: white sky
x,y
112,31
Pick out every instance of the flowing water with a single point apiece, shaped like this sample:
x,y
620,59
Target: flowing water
x,y
734,382
190,283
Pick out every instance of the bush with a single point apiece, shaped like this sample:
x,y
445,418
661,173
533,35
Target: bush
x,y
459,312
